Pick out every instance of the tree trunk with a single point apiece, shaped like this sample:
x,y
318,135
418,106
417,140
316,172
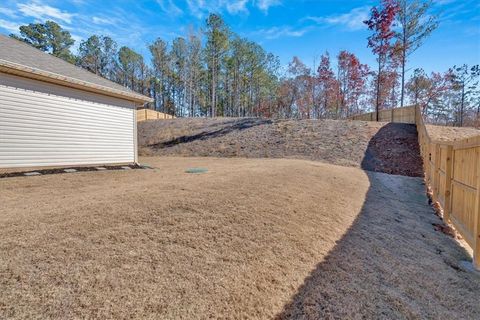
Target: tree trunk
x,y
462,104
403,78
377,106
404,51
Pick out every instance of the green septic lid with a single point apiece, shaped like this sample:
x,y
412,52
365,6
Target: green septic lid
x,y
196,170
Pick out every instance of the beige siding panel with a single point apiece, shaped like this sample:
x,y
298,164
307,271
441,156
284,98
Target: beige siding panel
x,y
55,89
48,125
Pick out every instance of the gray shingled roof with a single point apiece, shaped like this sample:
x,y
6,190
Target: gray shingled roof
x,y
21,54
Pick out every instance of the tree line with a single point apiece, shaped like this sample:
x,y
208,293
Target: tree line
x,y
210,73
398,28
215,72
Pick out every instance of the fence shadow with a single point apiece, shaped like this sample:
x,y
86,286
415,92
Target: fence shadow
x,y
391,263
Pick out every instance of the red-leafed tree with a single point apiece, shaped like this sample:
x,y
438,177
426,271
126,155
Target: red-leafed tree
x,y
352,78
381,23
328,85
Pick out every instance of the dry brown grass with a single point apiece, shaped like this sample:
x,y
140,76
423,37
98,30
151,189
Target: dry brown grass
x,y
380,147
249,239
333,141
443,133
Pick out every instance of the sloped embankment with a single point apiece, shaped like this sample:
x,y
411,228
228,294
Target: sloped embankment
x,y
381,147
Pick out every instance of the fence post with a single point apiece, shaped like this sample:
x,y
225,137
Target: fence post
x,y
476,226
428,157
448,184
436,172
392,115
433,170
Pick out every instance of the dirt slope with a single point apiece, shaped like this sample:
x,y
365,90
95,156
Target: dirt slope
x,y
237,242
393,147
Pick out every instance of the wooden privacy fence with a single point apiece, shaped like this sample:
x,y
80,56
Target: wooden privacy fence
x,y
400,115
147,114
452,172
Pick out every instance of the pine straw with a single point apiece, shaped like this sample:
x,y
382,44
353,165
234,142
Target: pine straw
x,y
249,239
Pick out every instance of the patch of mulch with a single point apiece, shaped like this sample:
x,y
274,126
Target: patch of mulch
x,y
394,149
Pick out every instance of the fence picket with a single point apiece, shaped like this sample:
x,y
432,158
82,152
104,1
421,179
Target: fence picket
x,y
147,114
461,192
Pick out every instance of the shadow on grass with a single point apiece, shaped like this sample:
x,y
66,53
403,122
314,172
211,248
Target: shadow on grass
x,y
390,263
238,125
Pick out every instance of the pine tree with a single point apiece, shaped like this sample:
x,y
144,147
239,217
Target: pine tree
x,y
416,24
48,37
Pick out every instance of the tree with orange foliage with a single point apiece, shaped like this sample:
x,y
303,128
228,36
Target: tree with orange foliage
x,y
352,77
381,23
328,86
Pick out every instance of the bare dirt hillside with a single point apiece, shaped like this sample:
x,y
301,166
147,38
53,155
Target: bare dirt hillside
x,y
382,147
249,239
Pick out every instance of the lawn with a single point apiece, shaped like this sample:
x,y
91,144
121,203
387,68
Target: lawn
x,y
251,238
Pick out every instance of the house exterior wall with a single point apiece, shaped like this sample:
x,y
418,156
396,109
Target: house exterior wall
x,y
43,124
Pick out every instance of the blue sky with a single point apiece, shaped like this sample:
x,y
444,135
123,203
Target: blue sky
x,y
305,28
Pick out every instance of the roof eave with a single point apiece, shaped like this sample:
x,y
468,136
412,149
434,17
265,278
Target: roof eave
x,y
32,73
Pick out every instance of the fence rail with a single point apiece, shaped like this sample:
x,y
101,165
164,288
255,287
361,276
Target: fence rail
x,y
400,115
452,171
453,174
147,114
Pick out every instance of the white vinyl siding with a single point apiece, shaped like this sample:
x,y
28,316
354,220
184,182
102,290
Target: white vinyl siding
x,y
39,128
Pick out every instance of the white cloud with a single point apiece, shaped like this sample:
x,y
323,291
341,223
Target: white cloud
x,y
443,2
285,31
103,20
352,20
8,12
169,7
264,5
199,8
44,12
9,26
234,7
